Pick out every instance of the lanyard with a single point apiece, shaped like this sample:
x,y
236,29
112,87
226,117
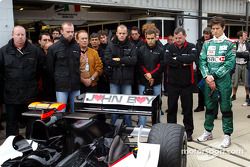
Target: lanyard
x,y
85,56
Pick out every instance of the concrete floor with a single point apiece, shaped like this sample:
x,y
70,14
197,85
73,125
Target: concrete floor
x,y
209,154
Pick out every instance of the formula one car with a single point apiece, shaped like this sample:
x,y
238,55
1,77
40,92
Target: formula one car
x,y
83,139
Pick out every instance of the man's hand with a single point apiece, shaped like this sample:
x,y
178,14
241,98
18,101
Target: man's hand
x,y
148,76
116,59
210,82
151,82
212,85
87,82
209,79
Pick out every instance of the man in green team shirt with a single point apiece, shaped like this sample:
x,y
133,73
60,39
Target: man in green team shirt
x,y
217,60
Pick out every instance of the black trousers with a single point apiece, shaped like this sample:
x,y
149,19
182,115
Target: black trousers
x,y
90,89
186,96
201,100
165,79
13,117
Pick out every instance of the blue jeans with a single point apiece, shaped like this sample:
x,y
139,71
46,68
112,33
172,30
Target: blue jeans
x,y
157,91
121,89
62,97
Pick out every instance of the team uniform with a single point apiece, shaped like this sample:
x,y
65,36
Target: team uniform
x,y
218,59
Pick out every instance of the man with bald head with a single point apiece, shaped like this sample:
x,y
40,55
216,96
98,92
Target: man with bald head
x,y
63,62
20,62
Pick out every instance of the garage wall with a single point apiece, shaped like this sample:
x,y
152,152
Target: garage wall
x,y
6,21
233,7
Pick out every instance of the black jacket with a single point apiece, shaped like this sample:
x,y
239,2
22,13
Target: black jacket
x,y
150,60
63,62
199,45
138,43
19,72
180,64
121,72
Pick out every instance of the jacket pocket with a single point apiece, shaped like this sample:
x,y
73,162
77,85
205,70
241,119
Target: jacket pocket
x,y
29,64
126,52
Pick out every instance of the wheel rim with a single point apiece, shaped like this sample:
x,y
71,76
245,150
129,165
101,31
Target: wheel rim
x,y
184,151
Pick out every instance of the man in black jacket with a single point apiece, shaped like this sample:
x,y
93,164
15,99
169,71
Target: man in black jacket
x,y
150,66
103,37
64,65
207,34
135,37
138,42
120,57
94,42
180,58
20,64
45,86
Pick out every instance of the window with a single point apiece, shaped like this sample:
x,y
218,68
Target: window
x,y
169,26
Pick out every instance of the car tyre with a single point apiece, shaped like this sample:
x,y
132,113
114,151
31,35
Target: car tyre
x,y
173,144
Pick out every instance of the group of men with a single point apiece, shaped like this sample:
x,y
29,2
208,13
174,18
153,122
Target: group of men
x,y
75,68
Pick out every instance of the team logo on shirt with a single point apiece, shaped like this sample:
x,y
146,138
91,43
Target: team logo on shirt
x,y
223,47
215,59
211,52
211,48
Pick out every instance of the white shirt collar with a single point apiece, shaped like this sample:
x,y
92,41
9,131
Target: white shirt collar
x,y
220,39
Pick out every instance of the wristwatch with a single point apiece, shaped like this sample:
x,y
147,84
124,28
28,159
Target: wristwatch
x,y
92,78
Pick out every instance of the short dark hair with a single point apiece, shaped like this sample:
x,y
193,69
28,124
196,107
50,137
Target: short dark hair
x,y
44,33
207,30
240,33
217,20
102,32
94,35
180,29
134,28
56,29
150,31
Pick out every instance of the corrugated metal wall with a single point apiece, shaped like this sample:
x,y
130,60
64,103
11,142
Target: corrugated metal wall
x,y
233,7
